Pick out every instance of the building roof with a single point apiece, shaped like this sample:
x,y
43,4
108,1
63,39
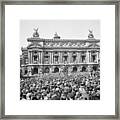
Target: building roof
x,y
57,43
57,38
32,39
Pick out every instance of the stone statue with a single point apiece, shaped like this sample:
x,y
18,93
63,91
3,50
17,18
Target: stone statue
x,y
36,34
56,36
90,35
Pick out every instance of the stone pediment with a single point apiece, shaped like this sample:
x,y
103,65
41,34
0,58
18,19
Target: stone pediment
x,y
34,45
93,45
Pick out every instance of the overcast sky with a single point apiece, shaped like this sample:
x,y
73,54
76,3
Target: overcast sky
x,y
66,29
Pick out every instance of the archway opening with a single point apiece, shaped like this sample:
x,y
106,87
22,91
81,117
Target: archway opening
x,y
47,70
74,69
26,71
35,70
95,68
56,69
83,69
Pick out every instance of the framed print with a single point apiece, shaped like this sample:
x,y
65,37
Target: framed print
x,y
60,60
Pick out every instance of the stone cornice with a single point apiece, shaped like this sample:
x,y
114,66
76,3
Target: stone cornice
x,y
82,48
37,39
62,48
74,64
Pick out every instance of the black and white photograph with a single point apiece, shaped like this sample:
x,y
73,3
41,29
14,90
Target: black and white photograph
x,y
60,60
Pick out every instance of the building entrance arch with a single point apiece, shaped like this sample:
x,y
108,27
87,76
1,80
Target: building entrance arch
x,y
56,69
74,69
35,70
83,69
95,68
47,70
26,71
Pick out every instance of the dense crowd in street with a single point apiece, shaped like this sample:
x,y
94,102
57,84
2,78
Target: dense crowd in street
x,y
72,87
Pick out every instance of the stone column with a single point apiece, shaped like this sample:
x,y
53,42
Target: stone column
x,y
97,57
23,71
40,71
61,61
50,68
52,57
28,57
69,70
69,57
87,56
38,57
29,71
98,54
79,68
31,57
41,56
68,61
78,57
60,69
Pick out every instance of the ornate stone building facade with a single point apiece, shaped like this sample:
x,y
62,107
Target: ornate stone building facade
x,y
43,56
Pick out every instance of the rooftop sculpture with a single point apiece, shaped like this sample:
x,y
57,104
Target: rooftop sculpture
x,y
90,35
56,36
36,34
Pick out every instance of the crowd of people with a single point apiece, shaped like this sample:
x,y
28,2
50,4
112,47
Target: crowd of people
x,y
71,87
